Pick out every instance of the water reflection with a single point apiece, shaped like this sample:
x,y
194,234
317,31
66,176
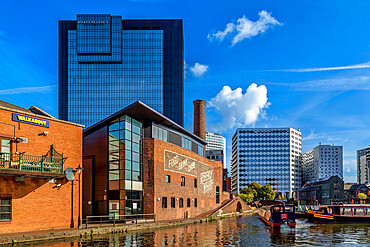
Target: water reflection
x,y
243,231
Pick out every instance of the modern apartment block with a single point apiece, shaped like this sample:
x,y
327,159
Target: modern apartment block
x,y
267,156
322,161
216,142
363,164
107,63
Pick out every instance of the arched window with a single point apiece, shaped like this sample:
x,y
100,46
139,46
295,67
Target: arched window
x,y
188,203
181,203
217,194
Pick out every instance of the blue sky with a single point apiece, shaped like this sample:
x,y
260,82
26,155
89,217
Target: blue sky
x,y
309,60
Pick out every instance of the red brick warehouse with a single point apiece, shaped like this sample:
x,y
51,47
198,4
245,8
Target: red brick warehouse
x,y
140,162
36,149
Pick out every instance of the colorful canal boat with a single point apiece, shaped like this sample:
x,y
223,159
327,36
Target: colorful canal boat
x,y
276,215
340,214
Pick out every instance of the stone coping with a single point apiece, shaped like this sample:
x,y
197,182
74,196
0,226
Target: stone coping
x,y
55,234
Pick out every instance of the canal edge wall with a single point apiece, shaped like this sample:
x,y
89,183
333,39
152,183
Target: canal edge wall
x,y
58,234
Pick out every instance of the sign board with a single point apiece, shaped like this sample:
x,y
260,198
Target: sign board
x,y
179,163
30,120
134,205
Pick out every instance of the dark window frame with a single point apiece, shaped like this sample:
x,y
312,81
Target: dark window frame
x,y
164,202
168,179
6,205
173,202
195,183
182,180
181,203
188,203
195,202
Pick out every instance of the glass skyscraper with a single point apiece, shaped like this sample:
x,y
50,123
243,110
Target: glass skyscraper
x,y
106,63
267,156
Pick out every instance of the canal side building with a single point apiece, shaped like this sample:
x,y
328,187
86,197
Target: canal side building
x,y
325,191
363,166
321,162
107,62
137,161
36,149
267,156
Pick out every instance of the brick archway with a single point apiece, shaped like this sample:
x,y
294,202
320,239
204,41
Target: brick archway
x,y
239,207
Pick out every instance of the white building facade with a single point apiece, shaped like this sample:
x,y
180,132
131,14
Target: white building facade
x,y
363,164
216,142
321,162
267,156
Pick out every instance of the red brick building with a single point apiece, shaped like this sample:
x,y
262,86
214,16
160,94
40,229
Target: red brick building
x,y
36,148
140,162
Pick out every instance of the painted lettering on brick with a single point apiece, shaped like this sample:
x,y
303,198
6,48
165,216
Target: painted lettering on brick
x,y
179,163
206,178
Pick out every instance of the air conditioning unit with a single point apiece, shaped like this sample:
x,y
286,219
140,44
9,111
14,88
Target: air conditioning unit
x,y
22,140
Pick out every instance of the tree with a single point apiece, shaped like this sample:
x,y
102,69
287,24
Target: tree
x,y
362,196
248,198
267,192
257,188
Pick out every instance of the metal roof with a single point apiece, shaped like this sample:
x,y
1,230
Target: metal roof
x,y
143,113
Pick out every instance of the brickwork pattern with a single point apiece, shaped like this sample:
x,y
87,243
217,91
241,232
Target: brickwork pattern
x,y
156,187
199,119
36,205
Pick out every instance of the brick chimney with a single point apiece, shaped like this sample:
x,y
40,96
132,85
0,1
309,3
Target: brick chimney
x,y
199,119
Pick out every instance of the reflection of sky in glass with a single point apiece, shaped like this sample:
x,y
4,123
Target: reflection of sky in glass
x,y
96,90
264,155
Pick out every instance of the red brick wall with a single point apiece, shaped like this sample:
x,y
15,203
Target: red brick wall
x,y
36,204
155,186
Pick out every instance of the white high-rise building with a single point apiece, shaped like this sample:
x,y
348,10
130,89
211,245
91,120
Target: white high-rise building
x,y
321,162
216,142
267,156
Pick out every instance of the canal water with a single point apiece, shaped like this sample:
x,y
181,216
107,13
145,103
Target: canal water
x,y
242,231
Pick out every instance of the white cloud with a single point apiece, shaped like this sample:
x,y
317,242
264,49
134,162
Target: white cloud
x,y
331,84
238,109
198,69
220,35
354,66
246,28
27,90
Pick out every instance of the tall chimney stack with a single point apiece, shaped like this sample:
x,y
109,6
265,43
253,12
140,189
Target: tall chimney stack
x,y
199,119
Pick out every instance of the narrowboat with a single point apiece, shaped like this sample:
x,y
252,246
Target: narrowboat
x,y
276,215
340,214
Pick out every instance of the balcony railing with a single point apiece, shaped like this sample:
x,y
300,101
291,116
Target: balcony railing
x,y
31,163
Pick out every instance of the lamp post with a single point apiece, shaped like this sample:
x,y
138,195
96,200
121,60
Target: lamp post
x,y
79,170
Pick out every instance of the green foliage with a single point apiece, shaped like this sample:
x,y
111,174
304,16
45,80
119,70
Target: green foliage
x,y
248,198
267,192
362,196
256,191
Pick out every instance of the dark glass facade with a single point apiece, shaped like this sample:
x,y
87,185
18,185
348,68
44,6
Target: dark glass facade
x,y
125,194
106,63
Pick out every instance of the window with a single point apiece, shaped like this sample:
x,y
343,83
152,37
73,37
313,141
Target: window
x,y
181,203
168,179
5,145
173,202
201,150
346,211
195,202
358,211
182,181
164,202
5,209
186,143
217,194
188,202
195,183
